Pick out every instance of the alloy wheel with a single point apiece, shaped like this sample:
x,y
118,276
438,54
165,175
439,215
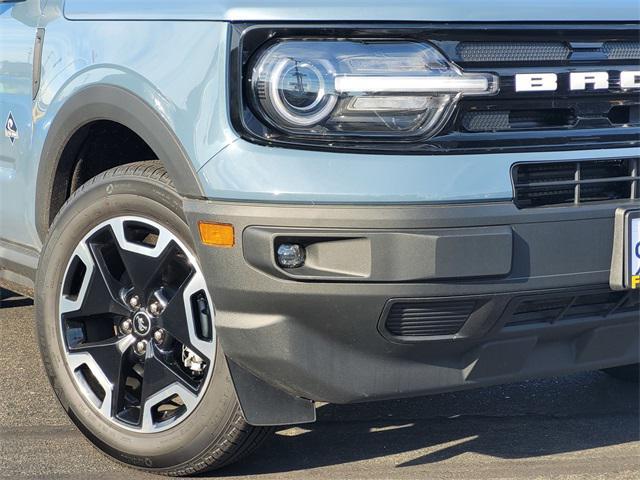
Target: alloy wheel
x,y
137,324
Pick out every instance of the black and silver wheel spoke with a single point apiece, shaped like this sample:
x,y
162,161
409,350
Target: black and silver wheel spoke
x,y
146,253
99,299
144,270
101,364
178,318
136,321
105,251
159,383
86,291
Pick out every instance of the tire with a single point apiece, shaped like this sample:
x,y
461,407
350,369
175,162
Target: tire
x,y
199,426
627,373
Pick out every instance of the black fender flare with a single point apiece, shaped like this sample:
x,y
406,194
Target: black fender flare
x,y
109,102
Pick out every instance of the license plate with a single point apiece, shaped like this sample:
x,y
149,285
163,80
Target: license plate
x,y
625,267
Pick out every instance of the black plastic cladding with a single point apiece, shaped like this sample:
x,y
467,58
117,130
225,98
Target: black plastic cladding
x,y
592,129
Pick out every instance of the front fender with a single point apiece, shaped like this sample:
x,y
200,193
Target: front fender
x,y
166,81
109,102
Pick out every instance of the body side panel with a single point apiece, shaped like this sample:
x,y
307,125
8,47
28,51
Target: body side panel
x,y
176,70
18,26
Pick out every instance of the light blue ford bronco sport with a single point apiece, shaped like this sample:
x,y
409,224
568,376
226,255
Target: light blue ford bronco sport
x,y
230,210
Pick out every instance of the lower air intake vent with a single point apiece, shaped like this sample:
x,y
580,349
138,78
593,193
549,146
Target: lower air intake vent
x,y
547,310
563,183
428,319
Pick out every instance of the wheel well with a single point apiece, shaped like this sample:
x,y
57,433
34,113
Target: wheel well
x,y
94,148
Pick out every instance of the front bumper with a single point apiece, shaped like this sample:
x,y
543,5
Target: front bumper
x,y
320,334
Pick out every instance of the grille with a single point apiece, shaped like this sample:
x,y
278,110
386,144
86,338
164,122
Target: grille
x,y
509,121
513,51
547,310
428,319
562,183
545,51
622,50
560,119
498,121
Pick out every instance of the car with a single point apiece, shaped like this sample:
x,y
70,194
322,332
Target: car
x,y
228,211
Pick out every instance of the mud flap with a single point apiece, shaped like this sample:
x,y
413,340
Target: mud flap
x,y
264,405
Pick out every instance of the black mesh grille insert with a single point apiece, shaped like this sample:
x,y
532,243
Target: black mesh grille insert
x,y
427,319
497,121
561,183
544,51
513,51
622,50
548,310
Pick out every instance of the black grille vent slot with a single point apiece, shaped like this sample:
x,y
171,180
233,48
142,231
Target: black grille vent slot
x,y
622,50
497,121
428,319
547,310
562,183
513,51
544,51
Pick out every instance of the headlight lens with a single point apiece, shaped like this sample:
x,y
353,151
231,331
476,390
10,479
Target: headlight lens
x,y
352,88
295,93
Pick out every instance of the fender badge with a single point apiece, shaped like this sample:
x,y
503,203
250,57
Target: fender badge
x,y
11,129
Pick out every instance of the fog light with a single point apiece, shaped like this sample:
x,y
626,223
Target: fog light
x,y
291,255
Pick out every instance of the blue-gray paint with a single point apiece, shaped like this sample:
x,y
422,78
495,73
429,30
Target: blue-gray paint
x,y
357,10
179,68
18,23
247,171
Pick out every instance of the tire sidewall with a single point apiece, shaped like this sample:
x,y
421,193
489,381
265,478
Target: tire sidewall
x,y
94,203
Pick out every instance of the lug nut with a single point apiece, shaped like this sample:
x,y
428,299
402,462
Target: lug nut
x,y
141,347
134,301
126,326
159,335
155,308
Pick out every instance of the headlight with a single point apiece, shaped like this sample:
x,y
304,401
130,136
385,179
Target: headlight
x,y
354,88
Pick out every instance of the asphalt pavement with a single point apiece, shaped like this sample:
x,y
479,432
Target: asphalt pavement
x,y
584,426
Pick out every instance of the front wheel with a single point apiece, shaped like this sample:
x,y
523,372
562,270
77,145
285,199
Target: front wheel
x,y
126,328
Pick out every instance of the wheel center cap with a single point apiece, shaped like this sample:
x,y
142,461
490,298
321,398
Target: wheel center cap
x,y
141,323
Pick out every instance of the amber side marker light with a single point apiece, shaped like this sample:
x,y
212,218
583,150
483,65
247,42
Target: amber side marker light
x,y
217,234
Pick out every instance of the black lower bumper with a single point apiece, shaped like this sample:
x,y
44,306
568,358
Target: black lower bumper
x,y
535,283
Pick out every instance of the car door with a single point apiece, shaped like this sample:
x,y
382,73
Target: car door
x,y
18,29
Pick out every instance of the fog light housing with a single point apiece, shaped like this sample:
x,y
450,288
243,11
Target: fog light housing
x,y
291,255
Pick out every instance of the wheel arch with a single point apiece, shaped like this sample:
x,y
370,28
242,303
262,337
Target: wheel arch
x,y
119,105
